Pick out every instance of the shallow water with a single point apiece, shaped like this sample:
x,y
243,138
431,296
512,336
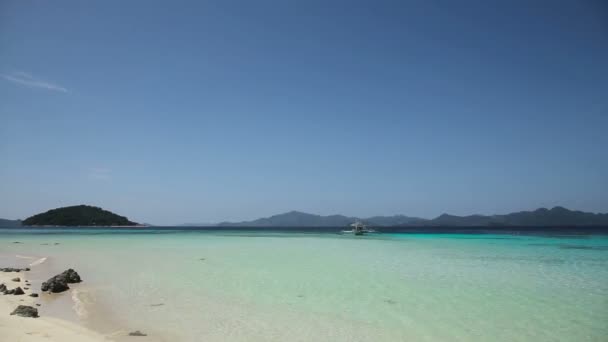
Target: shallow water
x,y
248,286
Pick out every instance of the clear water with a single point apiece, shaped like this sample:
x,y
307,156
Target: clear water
x,y
326,287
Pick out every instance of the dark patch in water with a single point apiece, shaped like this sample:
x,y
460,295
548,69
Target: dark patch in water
x,y
583,247
552,261
159,304
564,236
484,238
569,246
264,234
390,301
548,261
300,296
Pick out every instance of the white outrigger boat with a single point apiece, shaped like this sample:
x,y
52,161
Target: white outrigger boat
x,y
359,229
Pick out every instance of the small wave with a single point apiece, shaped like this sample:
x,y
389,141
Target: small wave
x,y
81,299
38,262
24,257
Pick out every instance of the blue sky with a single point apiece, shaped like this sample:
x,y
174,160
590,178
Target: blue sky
x,y
228,110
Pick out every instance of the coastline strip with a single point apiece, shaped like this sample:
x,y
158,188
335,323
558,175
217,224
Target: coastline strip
x,y
15,328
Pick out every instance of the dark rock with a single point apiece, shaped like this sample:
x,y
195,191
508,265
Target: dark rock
x,y
26,269
12,269
26,288
137,333
55,285
16,291
37,304
25,311
16,279
33,295
71,276
59,283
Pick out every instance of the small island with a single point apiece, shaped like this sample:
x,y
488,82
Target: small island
x,y
78,215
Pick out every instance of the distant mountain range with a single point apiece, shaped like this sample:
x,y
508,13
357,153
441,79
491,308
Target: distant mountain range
x,y
4,223
557,216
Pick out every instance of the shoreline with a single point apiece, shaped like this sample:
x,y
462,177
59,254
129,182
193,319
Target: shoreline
x,y
73,315
26,329
62,317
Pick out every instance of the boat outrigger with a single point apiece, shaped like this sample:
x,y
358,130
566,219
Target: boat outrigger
x,y
359,229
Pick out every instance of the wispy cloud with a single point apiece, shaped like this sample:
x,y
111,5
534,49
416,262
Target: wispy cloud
x,y
100,173
25,79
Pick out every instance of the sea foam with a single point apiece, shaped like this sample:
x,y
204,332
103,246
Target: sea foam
x,y
39,261
81,300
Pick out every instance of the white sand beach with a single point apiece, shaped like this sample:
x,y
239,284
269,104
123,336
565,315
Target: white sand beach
x,y
25,329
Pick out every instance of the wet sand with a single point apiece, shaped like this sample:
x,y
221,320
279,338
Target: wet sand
x,y
25,329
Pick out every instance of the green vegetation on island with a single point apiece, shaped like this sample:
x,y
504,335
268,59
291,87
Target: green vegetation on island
x,y
78,215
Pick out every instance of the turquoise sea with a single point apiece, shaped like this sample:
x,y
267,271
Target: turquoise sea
x,y
273,286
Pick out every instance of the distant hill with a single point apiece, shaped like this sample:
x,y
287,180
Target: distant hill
x,y
79,215
4,223
395,220
295,219
300,219
557,216
192,224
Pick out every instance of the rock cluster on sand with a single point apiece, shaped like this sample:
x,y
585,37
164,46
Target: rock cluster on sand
x,y
12,269
25,311
16,291
137,333
59,283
